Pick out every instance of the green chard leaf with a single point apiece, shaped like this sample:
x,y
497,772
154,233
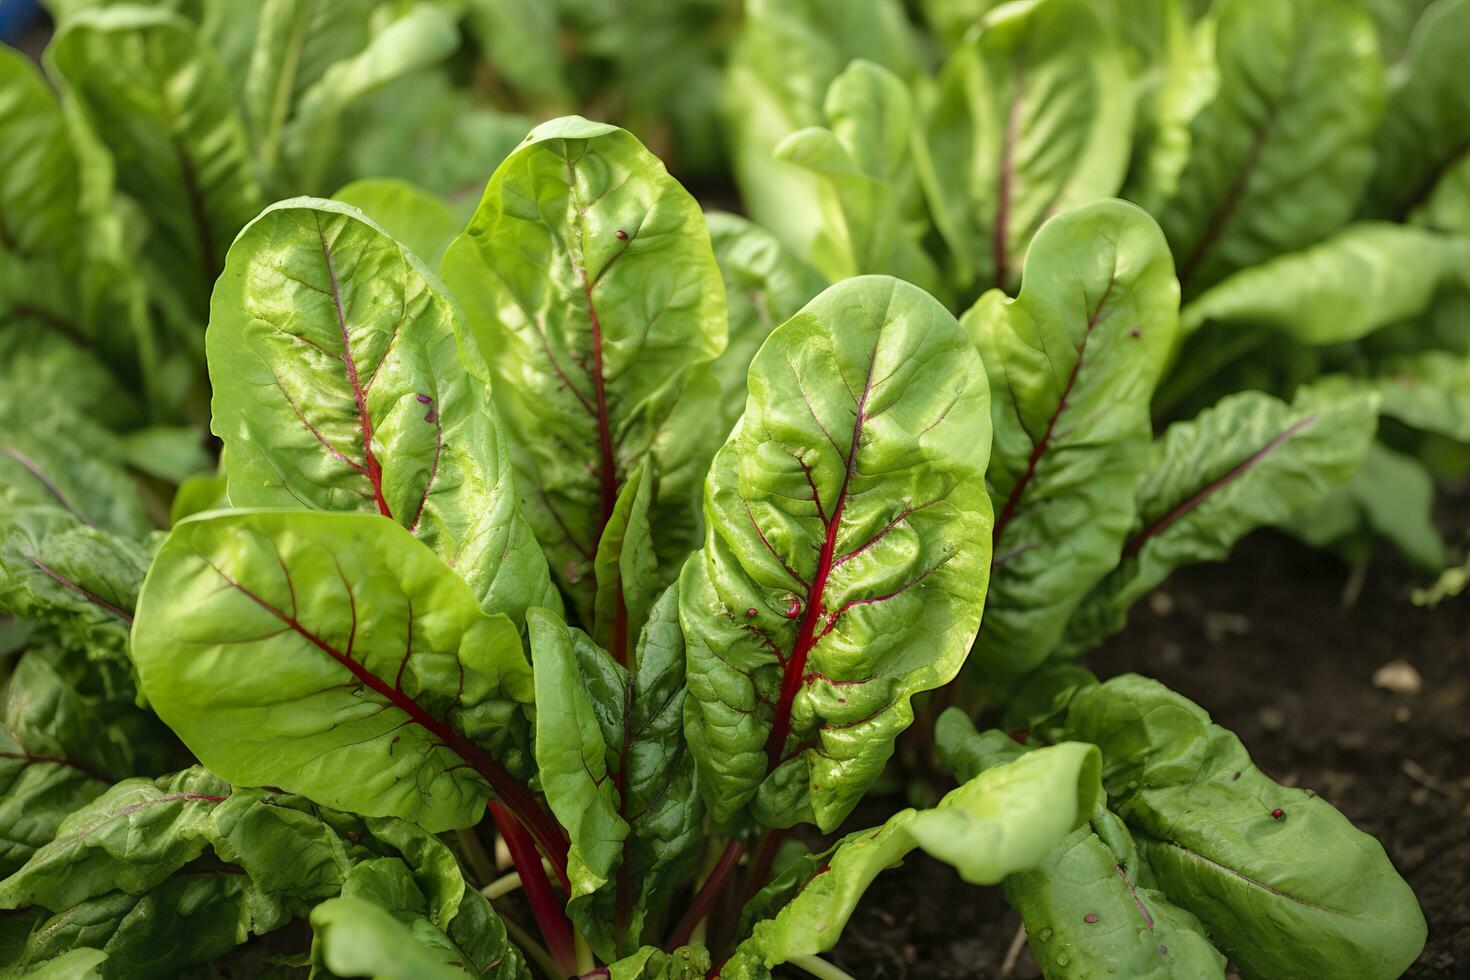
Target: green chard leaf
x,y
166,874
1429,391
787,54
1033,116
846,555
652,963
872,211
1391,495
382,926
1426,128
1085,913
1282,881
591,289
1003,821
1172,61
70,729
615,768
1363,278
765,284
1088,905
342,381
155,94
71,521
1073,362
1248,462
335,656
1280,155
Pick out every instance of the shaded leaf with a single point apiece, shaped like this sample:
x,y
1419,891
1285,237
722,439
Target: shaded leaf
x,y
1280,155
1033,116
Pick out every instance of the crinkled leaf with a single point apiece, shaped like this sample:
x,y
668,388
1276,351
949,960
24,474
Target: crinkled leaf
x,y
55,569
422,35
41,782
168,874
132,838
787,54
1248,462
158,98
1363,278
1426,128
342,382
1282,881
52,455
589,283
615,768
1033,115
382,927
1073,362
1280,155
333,655
764,286
421,221
866,179
846,555
1001,822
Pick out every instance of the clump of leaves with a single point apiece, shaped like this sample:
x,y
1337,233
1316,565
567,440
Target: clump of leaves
x,y
626,544
1304,159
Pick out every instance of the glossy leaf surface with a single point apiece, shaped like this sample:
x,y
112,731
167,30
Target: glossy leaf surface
x,y
1073,362
342,382
616,770
335,656
1282,881
588,280
846,557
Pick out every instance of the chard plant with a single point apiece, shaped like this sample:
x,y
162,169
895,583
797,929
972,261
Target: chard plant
x,y
367,670
570,572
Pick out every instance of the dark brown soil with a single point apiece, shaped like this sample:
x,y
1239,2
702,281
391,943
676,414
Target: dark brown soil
x,y
1266,646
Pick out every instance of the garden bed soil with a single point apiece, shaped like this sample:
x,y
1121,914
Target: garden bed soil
x,y
1266,645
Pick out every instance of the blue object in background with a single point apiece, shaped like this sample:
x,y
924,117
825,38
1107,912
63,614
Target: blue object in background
x,y
17,17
